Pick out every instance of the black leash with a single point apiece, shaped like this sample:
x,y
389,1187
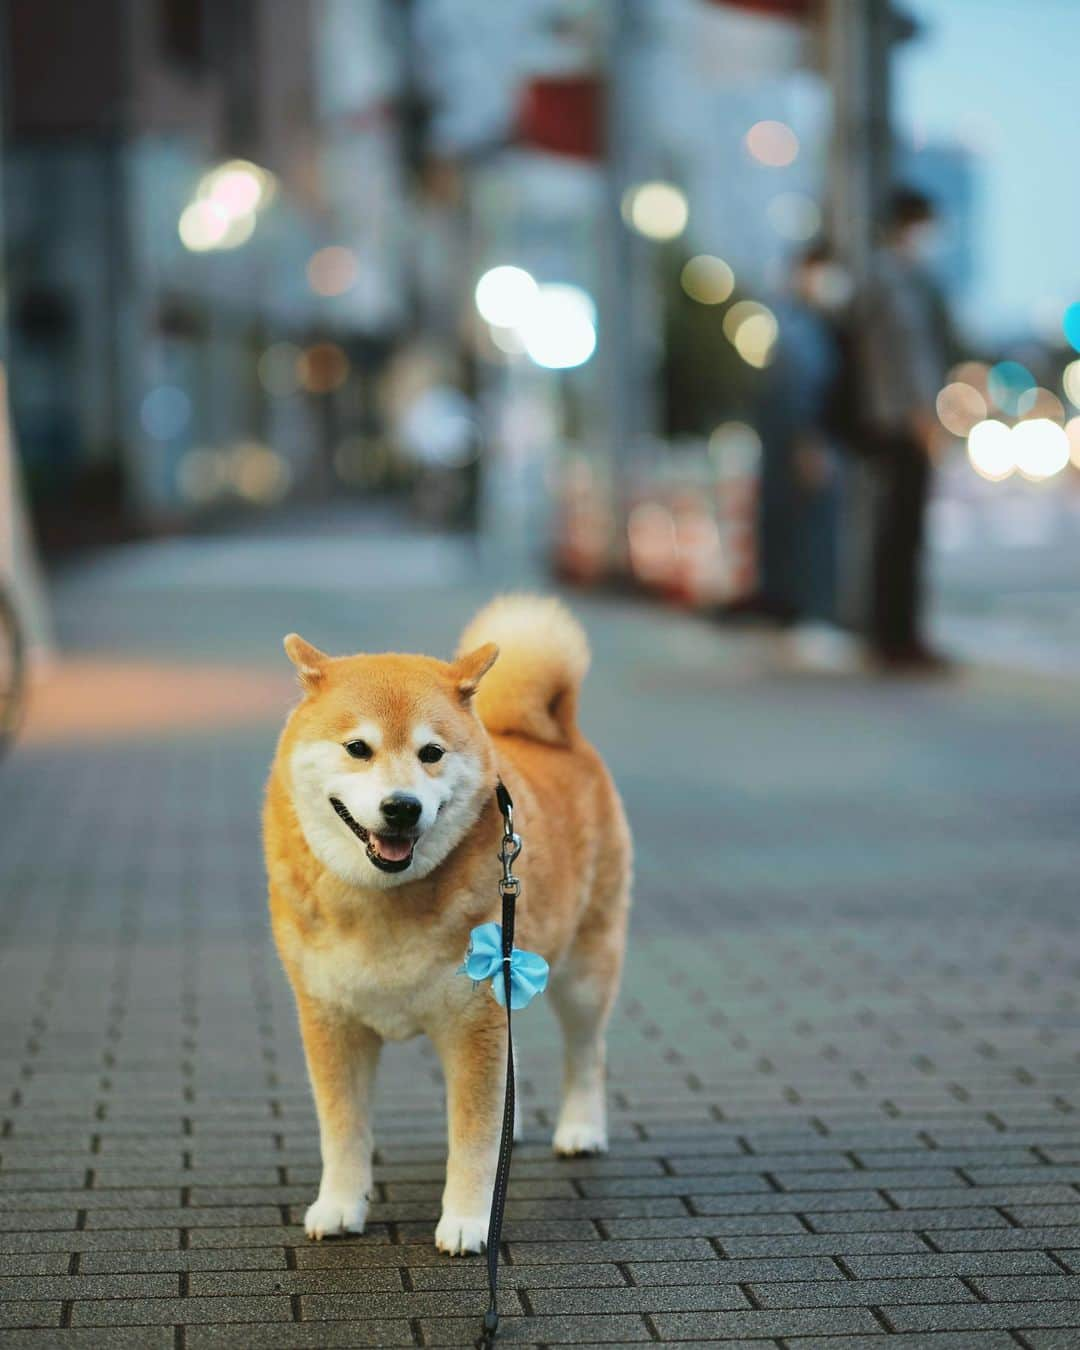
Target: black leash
x,y
509,888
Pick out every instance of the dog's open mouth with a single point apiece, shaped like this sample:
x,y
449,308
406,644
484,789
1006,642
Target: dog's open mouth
x,y
388,852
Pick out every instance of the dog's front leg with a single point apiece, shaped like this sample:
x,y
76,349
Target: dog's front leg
x,y
473,1056
341,1059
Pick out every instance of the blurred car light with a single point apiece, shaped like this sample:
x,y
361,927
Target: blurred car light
x,y
1040,448
990,450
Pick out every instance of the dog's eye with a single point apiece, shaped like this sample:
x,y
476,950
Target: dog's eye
x,y
431,754
358,749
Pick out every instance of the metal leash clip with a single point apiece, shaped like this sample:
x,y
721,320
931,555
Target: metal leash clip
x,y
508,851
510,846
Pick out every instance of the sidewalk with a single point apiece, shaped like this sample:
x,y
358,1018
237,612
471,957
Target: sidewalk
x,y
844,1067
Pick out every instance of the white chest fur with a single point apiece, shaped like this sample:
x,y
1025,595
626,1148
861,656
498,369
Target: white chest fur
x,y
398,995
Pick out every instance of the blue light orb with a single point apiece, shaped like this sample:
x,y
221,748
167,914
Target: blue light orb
x,y
1070,325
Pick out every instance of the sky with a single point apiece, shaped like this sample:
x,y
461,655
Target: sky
x,y
1000,77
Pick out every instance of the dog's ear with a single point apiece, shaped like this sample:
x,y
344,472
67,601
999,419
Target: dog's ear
x,y
471,668
308,660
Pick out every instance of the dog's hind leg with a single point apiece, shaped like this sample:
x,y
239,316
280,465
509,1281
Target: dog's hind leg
x,y
583,992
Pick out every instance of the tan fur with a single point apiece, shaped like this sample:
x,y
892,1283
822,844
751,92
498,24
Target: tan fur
x,y
379,961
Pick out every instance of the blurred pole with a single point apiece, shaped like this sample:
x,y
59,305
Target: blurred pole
x,y
625,348
856,39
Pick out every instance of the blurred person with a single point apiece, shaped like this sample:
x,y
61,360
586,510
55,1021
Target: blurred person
x,y
801,421
903,340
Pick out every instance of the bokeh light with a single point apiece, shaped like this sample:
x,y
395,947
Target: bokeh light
x,y
165,412
773,144
970,372
656,210
506,340
990,450
559,330
222,215
1070,382
439,427
1070,325
238,231
332,270
794,216
1072,431
200,476
1039,402
505,295
203,225
959,407
752,330
258,473
1005,383
322,368
238,187
735,449
278,369
707,279
1040,448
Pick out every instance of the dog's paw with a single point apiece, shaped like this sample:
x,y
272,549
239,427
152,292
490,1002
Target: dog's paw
x,y
332,1215
460,1234
575,1137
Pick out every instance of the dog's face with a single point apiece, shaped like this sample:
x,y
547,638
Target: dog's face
x,y
388,763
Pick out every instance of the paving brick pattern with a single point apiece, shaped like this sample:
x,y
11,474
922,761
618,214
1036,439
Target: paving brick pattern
x,y
844,1069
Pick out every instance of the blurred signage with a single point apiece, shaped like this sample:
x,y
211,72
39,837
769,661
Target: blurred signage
x,y
777,9
563,115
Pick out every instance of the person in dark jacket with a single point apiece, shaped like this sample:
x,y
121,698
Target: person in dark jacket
x,y
903,348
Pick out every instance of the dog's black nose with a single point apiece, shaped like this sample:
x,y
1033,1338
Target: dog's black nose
x,y
401,809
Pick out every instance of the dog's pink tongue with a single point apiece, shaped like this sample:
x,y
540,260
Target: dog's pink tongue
x,y
393,850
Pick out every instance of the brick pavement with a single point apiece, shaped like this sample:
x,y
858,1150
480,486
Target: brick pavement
x,y
844,1069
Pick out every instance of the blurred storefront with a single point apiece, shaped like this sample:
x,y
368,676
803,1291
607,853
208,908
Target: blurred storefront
x,y
204,253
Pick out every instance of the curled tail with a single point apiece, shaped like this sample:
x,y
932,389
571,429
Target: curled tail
x,y
543,655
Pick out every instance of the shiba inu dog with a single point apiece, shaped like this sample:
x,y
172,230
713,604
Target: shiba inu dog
x,y
381,833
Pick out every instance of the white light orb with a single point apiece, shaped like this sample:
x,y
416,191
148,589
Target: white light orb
x,y
990,450
505,295
238,187
203,225
1040,448
559,331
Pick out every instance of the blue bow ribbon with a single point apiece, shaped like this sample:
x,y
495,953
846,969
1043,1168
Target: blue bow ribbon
x,y
484,959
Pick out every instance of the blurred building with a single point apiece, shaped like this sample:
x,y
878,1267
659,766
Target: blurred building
x,y
160,316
